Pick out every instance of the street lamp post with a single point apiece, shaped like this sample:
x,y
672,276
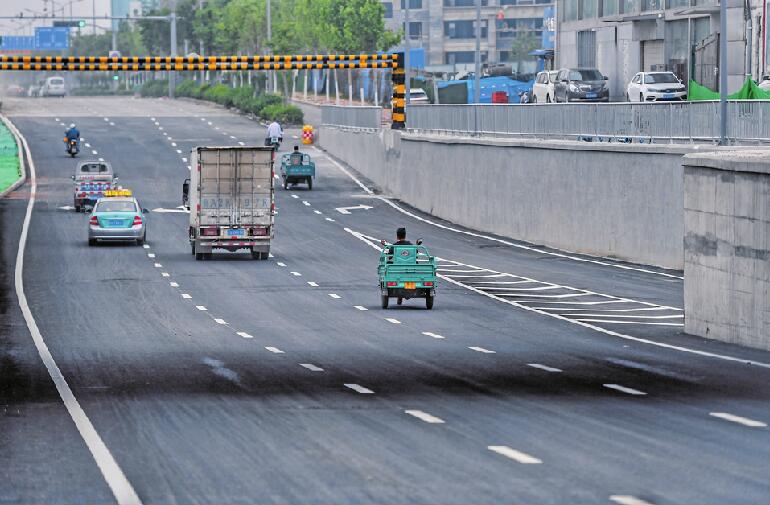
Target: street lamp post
x,y
477,76
723,72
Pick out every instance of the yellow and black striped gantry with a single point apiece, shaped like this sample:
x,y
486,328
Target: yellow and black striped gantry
x,y
394,61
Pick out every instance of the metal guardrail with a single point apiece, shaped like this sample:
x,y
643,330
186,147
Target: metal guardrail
x,y
352,117
668,122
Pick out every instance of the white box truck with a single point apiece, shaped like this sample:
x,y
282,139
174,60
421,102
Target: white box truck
x,y
232,200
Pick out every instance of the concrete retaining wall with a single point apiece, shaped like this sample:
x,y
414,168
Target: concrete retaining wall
x,y
727,247
619,200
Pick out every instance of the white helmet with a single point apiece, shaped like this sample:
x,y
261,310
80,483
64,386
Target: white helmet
x,y
72,126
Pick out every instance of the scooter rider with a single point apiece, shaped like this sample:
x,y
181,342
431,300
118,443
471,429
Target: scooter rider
x,y
274,131
71,134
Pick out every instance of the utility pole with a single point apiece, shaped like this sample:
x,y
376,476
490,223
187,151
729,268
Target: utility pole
x,y
407,50
172,74
93,16
723,72
477,76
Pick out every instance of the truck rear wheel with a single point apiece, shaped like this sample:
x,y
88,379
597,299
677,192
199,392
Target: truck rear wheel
x,y
310,183
198,256
384,300
428,302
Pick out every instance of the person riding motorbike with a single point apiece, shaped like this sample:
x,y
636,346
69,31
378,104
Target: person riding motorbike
x,y
71,134
274,131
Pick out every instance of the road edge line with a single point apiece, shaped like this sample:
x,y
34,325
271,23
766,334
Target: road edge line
x,y
121,488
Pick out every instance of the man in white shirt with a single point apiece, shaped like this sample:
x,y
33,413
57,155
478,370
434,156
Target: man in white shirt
x,y
274,130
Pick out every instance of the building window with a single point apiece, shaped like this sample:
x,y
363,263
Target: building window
x,y
388,9
586,42
415,29
673,4
452,57
463,29
413,4
463,3
570,10
588,9
610,8
652,5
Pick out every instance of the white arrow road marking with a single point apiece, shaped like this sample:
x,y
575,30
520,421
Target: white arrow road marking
x,y
346,210
424,416
359,389
740,420
515,455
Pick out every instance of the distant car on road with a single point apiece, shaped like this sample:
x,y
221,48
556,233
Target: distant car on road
x,y
418,96
15,90
543,89
764,84
655,86
53,86
581,85
117,216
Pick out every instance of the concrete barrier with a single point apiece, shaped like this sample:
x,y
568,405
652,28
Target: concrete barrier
x,y
617,200
727,247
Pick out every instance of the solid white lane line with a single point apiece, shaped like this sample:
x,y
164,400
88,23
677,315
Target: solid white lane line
x,y
200,307
543,367
360,307
623,389
186,296
306,203
740,420
335,296
296,274
311,367
281,264
158,265
391,320
121,488
244,334
164,274
424,416
173,284
431,334
314,284
481,349
274,350
359,389
515,455
624,499
220,321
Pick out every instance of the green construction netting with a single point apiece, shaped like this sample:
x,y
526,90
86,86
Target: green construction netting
x,y
9,158
749,91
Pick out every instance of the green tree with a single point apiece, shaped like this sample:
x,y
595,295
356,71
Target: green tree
x,y
523,44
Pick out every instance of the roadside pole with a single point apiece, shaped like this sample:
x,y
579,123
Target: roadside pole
x,y
723,73
171,73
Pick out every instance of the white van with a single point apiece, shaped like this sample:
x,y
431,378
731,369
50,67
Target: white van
x,y
53,86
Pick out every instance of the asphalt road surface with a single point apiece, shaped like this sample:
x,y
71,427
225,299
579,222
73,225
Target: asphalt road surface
x,y
538,378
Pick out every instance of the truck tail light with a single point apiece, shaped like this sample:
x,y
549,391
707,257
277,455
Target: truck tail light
x,y
259,232
428,284
392,284
137,220
93,221
212,231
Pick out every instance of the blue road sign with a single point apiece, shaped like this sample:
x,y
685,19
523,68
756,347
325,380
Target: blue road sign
x,y
18,43
52,38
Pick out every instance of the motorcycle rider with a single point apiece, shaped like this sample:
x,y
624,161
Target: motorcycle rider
x,y
71,134
274,131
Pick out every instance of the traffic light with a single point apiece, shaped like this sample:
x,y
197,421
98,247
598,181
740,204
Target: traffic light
x,y
70,24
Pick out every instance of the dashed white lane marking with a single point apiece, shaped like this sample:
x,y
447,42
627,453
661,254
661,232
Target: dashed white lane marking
x,y
543,367
391,320
173,144
623,389
179,151
165,274
311,367
184,160
424,416
210,123
318,212
335,296
431,334
296,274
112,124
234,138
244,334
740,420
88,145
624,499
201,307
359,389
219,321
305,203
515,455
314,284
106,120
241,143
150,255
294,196
294,137
186,296
564,254
101,159
274,350
481,349
270,255
94,152
160,128
281,264
121,488
330,219
158,265
360,307
173,284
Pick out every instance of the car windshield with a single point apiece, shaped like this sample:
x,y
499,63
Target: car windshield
x,y
667,78
93,168
585,75
116,206
417,94
56,82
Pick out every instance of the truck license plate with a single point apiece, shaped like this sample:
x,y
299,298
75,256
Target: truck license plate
x,y
409,285
235,233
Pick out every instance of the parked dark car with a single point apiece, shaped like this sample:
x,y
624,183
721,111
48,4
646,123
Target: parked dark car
x,y
581,85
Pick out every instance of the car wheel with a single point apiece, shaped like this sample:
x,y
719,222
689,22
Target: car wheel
x,y
534,98
198,256
548,99
641,97
91,242
399,301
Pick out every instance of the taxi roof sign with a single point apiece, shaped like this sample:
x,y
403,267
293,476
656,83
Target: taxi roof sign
x,y
117,192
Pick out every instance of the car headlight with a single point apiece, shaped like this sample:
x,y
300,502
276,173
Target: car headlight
x,y
573,88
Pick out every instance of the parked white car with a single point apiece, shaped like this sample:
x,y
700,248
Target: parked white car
x,y
655,86
542,90
53,86
418,95
764,84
